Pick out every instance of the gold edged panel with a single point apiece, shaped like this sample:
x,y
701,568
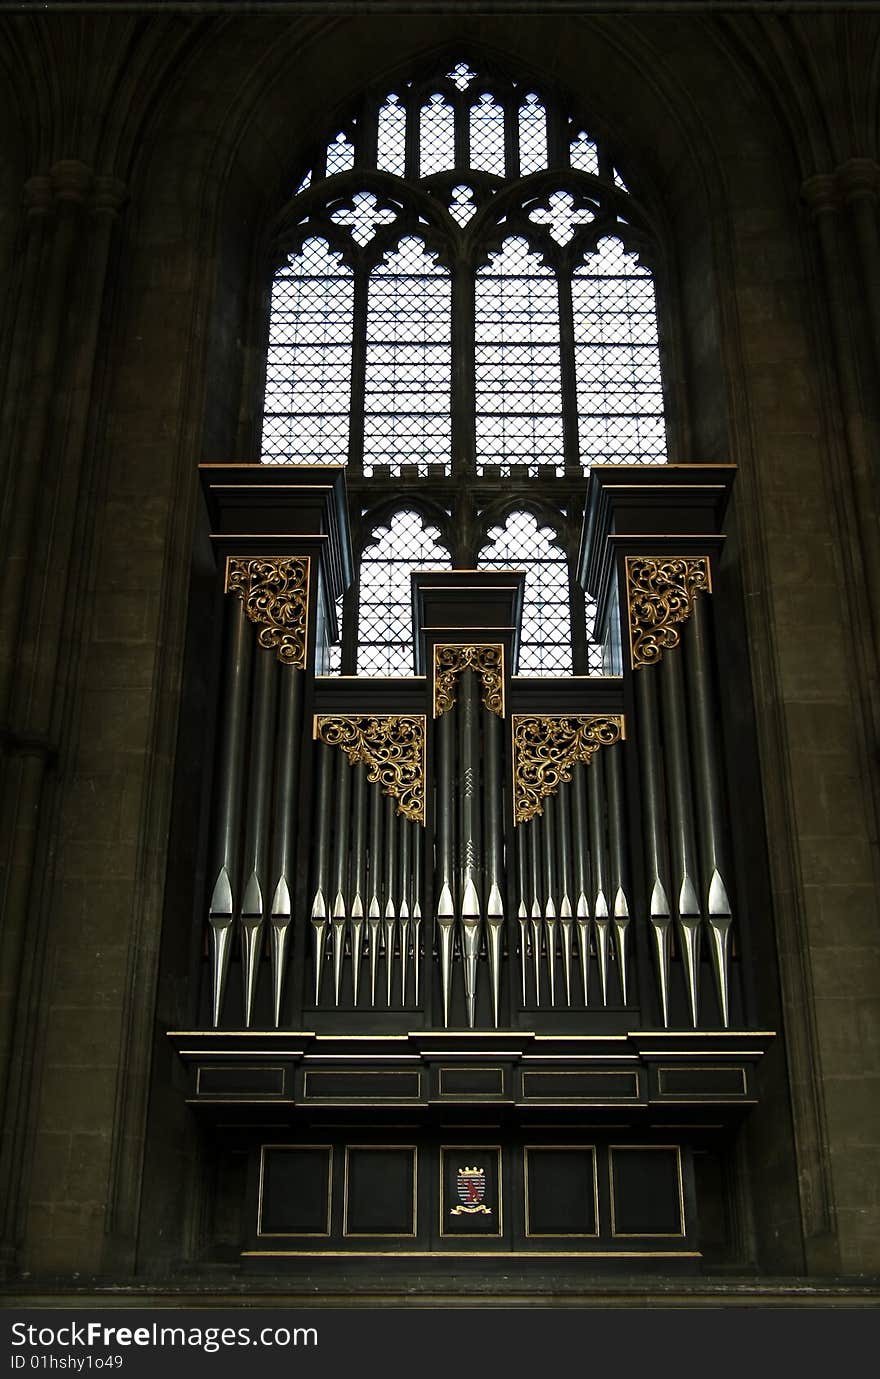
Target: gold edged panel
x,y
660,594
458,1096
647,1235
703,1068
275,594
239,1068
545,749
485,659
295,1235
593,1072
363,1072
390,745
568,1149
378,1235
463,1150
471,1254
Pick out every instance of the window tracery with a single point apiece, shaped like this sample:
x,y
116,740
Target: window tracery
x,y
464,297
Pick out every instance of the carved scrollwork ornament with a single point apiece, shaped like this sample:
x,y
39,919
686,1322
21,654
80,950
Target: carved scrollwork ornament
x,y
545,748
660,594
487,661
391,746
275,593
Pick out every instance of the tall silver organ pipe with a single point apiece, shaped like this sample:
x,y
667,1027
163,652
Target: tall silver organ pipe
x,y
617,864
341,851
563,857
532,852
405,829
548,847
284,810
256,833
710,807
320,907
520,842
374,904
580,846
389,922
469,839
681,827
443,882
659,916
417,892
228,816
596,813
358,874
493,800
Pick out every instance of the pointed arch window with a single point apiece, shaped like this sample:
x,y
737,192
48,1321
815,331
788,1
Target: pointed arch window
x,y
464,292
396,546
525,543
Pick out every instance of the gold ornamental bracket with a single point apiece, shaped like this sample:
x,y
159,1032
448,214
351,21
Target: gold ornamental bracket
x,y
545,748
660,594
275,593
484,659
391,746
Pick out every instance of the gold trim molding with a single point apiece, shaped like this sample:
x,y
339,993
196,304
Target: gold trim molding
x,y
660,594
484,659
391,746
275,593
546,748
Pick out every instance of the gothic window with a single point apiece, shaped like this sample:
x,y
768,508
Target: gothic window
x,y
463,300
524,543
396,547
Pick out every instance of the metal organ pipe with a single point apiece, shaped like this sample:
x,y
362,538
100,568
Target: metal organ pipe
x,y
493,798
256,844
286,789
548,842
596,813
390,915
322,863
617,864
683,846
403,890
226,834
709,796
581,874
341,837
652,813
358,873
444,882
374,905
563,857
470,848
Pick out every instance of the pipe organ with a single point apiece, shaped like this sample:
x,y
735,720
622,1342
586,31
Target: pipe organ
x,y
474,978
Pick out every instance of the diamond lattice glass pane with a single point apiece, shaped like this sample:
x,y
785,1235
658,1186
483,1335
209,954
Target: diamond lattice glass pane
x,y
407,396
522,544
340,156
462,76
462,205
518,378
392,137
584,155
385,609
363,216
617,360
532,136
487,136
436,137
308,367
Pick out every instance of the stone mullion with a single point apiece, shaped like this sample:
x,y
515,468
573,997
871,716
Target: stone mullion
x,y
463,370
358,372
859,182
568,375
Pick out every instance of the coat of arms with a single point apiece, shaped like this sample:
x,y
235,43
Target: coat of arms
x,y
471,1186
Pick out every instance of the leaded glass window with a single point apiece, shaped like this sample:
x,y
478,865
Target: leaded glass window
x,y
523,543
463,299
404,543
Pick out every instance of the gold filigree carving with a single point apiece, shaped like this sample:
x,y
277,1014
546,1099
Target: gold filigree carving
x,y
546,748
275,593
487,661
391,746
660,592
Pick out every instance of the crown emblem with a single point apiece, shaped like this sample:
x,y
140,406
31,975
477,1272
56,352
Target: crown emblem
x,y
471,1189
